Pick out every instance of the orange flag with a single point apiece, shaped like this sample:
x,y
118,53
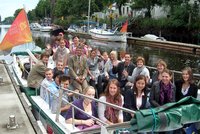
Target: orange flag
x,y
124,27
19,32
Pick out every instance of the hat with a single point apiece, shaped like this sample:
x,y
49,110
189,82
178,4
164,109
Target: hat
x,y
57,31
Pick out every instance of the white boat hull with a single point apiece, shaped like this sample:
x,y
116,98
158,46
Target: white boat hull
x,y
108,36
45,28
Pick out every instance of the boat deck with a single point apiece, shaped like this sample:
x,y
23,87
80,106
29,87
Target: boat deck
x,y
10,105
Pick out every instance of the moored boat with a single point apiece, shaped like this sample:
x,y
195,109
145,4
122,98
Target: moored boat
x,y
38,27
153,37
35,26
108,35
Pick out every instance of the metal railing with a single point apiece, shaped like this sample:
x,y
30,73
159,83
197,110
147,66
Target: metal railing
x,y
196,75
108,127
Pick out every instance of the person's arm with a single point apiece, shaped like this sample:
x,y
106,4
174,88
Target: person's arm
x,y
152,100
85,70
194,91
69,115
71,71
121,112
132,77
65,108
41,69
101,110
88,122
127,99
55,54
90,74
146,74
173,93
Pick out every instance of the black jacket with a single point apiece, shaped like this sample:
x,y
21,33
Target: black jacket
x,y
191,92
120,68
130,102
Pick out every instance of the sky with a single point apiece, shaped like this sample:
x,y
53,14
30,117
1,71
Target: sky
x,y
8,7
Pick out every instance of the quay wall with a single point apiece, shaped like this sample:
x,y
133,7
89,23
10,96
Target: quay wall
x,y
168,45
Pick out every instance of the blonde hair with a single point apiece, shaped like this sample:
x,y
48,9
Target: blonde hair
x,y
114,53
162,62
87,88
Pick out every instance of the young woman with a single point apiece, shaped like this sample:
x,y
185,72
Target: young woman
x,y
136,98
185,86
112,95
139,70
92,67
109,65
162,91
83,121
157,75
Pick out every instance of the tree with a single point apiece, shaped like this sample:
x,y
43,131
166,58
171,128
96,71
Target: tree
x,y
43,9
76,8
62,8
8,20
31,15
17,12
182,13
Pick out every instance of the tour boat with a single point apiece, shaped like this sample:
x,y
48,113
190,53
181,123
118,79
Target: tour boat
x,y
168,117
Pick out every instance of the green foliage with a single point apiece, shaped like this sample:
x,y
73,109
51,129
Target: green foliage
x,y
62,8
61,22
8,20
76,8
43,9
17,12
32,16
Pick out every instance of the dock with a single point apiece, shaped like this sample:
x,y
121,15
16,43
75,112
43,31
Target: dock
x,y
11,106
168,45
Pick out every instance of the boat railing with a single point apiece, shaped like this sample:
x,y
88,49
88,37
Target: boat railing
x,y
176,73
103,124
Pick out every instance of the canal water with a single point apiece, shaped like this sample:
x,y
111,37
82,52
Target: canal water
x,y
174,59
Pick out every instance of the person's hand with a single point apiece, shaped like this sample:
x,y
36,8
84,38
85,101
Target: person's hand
x,y
76,90
129,84
99,123
132,115
78,80
125,73
107,77
48,46
92,77
54,49
88,122
82,79
69,94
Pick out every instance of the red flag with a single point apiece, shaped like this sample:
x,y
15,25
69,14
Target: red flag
x,y
124,27
19,32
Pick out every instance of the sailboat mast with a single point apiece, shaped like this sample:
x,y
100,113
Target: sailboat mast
x,y
88,25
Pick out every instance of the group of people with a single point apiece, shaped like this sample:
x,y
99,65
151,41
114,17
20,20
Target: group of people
x,y
105,77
